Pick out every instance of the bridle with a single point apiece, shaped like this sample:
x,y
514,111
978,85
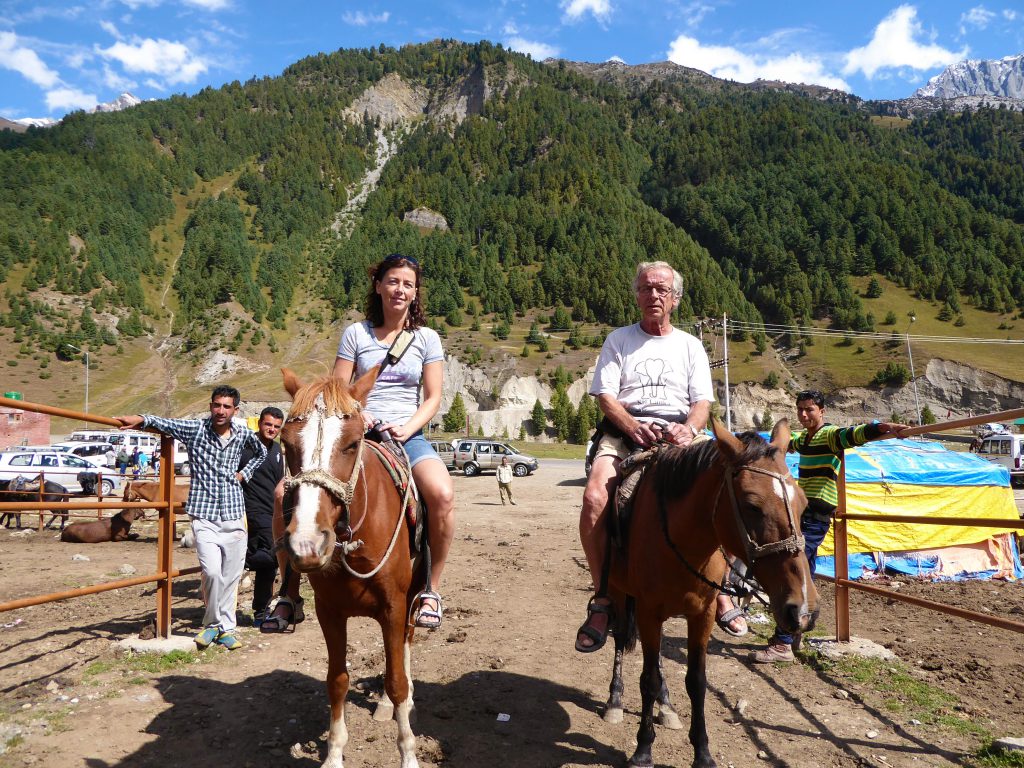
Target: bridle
x,y
792,544
343,491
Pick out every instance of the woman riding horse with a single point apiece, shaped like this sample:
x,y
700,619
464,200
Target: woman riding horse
x,y
394,304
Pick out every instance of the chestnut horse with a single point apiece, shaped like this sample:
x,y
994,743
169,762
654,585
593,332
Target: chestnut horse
x,y
735,495
348,533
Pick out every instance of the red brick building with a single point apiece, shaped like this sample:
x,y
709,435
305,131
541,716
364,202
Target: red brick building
x,y
23,428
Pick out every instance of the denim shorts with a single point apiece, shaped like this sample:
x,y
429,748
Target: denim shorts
x,y
418,449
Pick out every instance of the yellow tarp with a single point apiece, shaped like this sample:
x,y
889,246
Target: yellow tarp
x,y
984,501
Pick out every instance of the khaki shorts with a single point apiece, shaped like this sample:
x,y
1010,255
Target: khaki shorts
x,y
617,447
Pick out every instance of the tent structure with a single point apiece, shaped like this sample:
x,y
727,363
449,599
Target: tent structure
x,y
915,477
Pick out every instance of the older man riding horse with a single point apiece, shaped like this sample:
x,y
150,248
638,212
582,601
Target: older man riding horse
x,y
736,496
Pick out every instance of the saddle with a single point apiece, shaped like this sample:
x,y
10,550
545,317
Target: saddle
x,y
23,484
396,462
631,471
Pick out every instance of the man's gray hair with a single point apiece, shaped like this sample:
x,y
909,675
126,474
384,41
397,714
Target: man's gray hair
x,y
646,266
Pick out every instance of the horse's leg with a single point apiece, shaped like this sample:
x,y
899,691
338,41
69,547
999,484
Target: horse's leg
x,y
698,630
650,686
398,682
667,716
613,709
335,629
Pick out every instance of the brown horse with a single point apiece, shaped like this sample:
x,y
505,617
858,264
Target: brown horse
x,y
733,495
348,533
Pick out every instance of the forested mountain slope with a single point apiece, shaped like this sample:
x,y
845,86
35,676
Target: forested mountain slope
x,y
553,186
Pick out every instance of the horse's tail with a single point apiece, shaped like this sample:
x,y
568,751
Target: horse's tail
x,y
624,627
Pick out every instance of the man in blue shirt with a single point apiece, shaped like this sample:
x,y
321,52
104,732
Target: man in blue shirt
x,y
216,505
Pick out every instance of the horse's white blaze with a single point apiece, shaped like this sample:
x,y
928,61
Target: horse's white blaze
x,y
316,454
784,490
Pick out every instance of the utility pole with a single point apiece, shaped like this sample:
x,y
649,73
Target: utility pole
x,y
725,357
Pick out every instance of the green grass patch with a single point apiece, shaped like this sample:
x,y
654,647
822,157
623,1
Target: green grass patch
x,y
148,663
990,756
902,692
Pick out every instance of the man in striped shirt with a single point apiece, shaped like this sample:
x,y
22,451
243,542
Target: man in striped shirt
x,y
821,448
215,503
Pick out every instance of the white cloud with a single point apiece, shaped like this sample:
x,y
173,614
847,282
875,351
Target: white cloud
x,y
67,99
539,51
895,44
25,61
117,82
695,12
510,28
616,59
172,61
733,64
360,19
574,9
111,29
978,17
209,5
1010,15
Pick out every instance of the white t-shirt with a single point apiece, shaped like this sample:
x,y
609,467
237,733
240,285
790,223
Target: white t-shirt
x,y
655,376
396,395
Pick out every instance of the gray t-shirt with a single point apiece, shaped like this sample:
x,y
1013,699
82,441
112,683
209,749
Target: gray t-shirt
x,y
653,376
396,395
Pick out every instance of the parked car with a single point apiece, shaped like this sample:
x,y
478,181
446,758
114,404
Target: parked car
x,y
992,428
475,455
1006,451
59,466
101,451
446,451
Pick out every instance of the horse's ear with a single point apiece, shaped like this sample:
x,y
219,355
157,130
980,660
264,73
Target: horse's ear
x,y
728,444
291,382
362,386
781,435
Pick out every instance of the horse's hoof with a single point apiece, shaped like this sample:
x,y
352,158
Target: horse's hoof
x,y
384,712
670,720
613,715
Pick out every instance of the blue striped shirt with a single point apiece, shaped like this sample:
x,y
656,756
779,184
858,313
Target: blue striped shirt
x,y
215,493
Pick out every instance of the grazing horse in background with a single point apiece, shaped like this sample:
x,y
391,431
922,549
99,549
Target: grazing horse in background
x,y
22,489
348,532
733,495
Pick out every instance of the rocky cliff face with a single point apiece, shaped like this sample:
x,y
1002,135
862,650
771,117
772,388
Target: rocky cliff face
x,y
1002,77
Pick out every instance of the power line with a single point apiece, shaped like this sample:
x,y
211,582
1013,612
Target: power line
x,y
773,328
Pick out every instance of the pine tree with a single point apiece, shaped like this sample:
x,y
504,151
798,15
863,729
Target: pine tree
x,y
455,419
539,418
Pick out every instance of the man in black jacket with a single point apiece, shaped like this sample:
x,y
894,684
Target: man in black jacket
x,y
259,511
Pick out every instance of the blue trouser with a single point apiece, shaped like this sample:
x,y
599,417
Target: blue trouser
x,y
814,529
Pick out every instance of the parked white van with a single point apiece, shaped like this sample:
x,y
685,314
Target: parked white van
x,y
1005,450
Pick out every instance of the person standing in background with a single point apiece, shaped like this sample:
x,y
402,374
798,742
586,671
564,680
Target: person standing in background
x,y
259,511
505,481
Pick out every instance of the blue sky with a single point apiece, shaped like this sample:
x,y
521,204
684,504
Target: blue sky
x,y
59,56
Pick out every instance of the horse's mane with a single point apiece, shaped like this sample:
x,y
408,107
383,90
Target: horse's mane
x,y
677,469
336,394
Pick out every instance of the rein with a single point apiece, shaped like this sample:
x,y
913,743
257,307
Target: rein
x,y
754,551
344,492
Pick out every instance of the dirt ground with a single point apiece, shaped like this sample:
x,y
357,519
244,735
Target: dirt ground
x,y
515,590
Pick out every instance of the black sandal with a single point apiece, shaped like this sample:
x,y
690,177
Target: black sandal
x,y
272,624
599,638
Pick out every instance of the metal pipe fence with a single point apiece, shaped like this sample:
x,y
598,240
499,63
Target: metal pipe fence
x,y
165,572
844,584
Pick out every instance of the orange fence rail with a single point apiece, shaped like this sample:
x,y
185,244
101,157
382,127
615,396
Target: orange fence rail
x,y
164,574
842,578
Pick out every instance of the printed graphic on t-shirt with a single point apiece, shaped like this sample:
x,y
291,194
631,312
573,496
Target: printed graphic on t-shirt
x,y
652,373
